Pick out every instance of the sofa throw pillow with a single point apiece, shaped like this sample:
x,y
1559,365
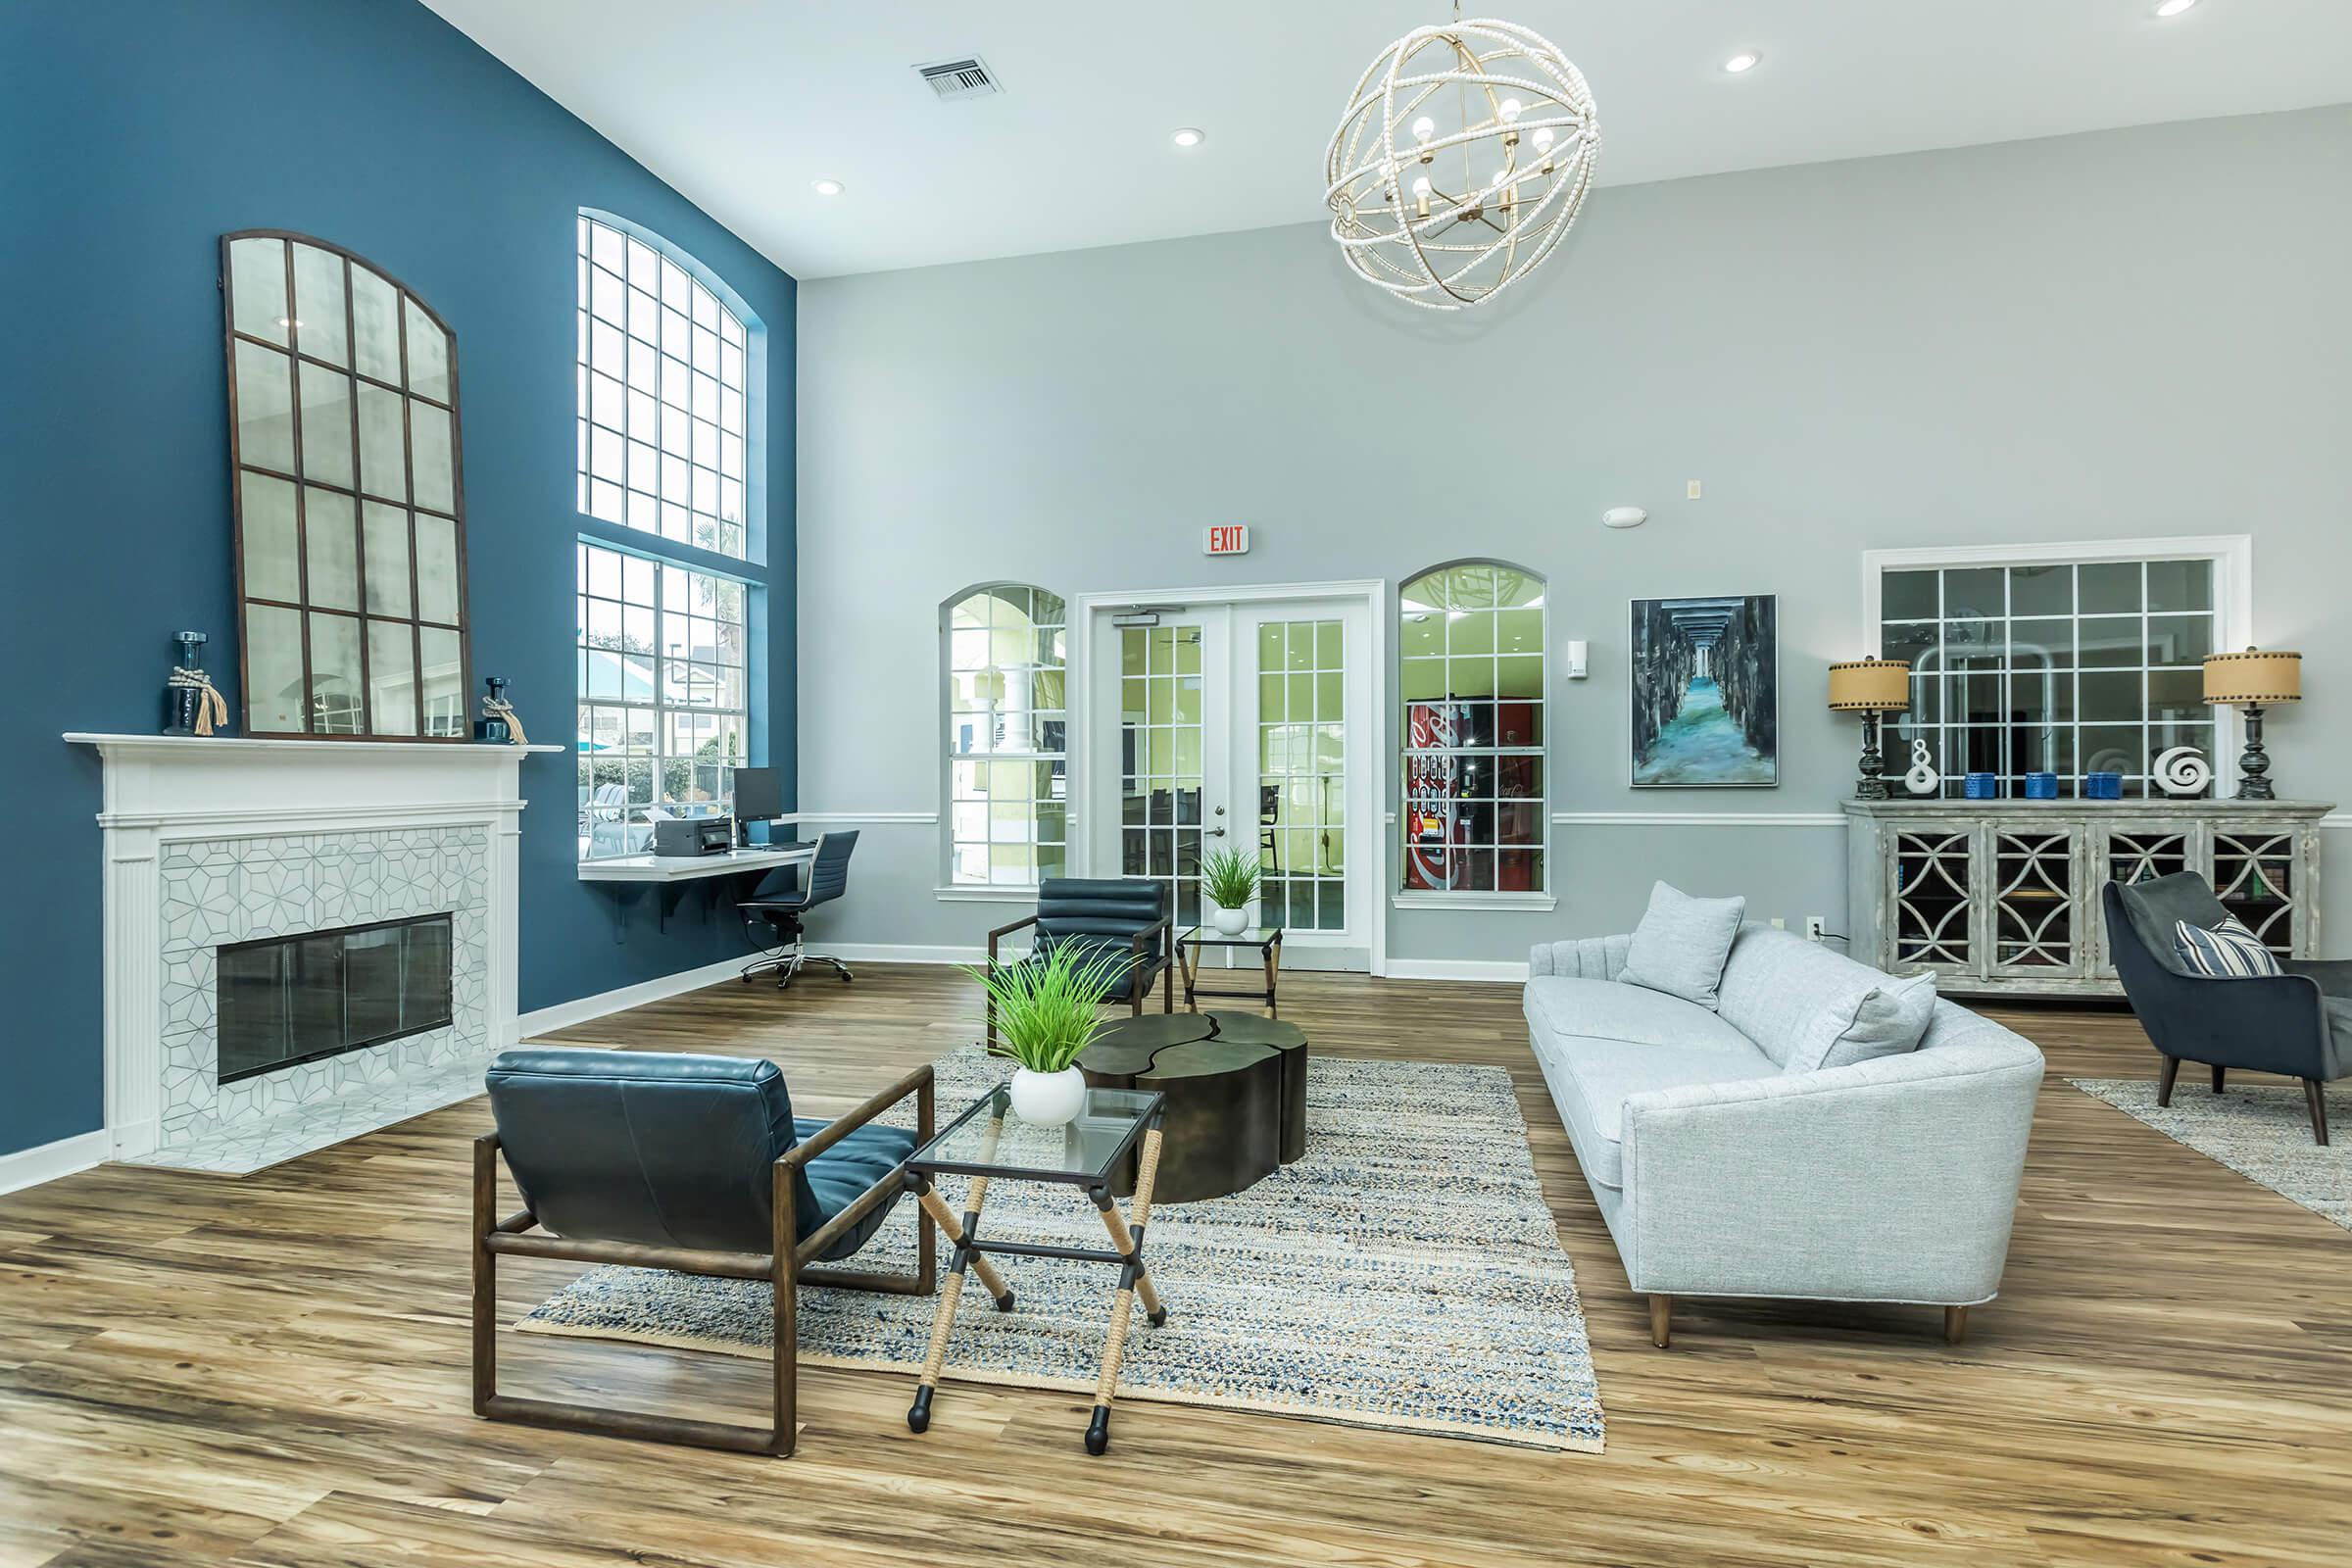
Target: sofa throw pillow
x,y
1681,945
2227,952
1885,1021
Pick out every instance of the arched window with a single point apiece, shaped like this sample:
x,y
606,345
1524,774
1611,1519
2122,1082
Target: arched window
x,y
1471,672
1005,651
349,503
666,646
664,395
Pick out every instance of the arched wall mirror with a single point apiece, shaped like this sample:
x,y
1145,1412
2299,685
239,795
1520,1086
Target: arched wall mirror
x,y
349,496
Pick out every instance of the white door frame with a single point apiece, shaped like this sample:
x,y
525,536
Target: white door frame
x,y
1371,592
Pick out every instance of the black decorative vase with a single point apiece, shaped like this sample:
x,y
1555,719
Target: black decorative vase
x,y
490,727
182,702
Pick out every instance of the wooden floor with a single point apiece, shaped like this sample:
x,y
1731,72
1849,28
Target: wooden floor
x,y
272,1371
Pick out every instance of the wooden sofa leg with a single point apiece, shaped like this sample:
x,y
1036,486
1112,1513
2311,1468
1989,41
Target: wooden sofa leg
x,y
1661,1321
2314,1093
1955,1323
2164,1080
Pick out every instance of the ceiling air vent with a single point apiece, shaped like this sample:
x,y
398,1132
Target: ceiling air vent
x,y
955,79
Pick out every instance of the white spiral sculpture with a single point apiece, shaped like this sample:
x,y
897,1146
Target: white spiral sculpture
x,y
1923,777
1461,162
2184,770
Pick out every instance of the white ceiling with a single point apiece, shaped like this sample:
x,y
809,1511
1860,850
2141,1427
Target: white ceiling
x,y
740,103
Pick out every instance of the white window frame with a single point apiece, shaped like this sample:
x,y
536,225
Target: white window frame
x,y
2231,555
667,456
1392,829
660,709
948,886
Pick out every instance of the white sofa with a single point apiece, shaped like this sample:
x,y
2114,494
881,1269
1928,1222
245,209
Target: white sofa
x,y
1892,1179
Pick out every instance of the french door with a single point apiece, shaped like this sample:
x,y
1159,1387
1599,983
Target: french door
x,y
1242,725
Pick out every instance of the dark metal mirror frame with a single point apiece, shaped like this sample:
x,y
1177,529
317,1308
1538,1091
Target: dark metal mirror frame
x,y
368,728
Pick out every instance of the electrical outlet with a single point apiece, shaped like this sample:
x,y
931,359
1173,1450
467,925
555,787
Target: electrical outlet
x,y
1693,491
1779,923
1816,928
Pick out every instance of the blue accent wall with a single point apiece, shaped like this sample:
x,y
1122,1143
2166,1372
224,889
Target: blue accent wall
x,y
136,134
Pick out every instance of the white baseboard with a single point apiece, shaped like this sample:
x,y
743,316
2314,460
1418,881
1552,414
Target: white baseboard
x,y
1490,971
30,1167
895,952
581,1010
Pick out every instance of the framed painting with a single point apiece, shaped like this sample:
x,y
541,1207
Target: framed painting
x,y
1705,694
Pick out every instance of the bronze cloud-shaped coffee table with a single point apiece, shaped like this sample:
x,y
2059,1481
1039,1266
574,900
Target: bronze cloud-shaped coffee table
x,y
1236,1088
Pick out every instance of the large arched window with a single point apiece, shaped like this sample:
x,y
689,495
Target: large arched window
x,y
1005,649
665,386
1471,673
666,648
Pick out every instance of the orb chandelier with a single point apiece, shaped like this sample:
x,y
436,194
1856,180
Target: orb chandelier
x,y
1461,162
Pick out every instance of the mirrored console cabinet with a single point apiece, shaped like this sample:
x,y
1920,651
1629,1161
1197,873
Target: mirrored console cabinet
x,y
2002,896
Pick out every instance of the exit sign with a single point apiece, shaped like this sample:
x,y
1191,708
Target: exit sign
x,y
1225,539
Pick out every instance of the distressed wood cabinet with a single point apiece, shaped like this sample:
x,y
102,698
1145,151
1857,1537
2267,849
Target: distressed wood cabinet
x,y
2002,896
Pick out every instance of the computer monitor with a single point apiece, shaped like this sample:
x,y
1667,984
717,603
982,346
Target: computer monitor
x,y
759,795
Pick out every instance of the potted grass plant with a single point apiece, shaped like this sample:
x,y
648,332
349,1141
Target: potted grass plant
x,y
1045,1013
1228,878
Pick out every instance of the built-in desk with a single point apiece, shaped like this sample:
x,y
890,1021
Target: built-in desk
x,y
728,878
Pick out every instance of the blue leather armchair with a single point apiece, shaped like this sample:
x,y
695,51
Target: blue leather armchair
x,y
691,1163
1125,914
2298,1024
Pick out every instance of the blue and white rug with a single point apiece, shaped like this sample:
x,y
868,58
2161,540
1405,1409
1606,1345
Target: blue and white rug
x,y
1404,1275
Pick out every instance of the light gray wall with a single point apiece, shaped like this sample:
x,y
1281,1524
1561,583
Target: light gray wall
x,y
2131,334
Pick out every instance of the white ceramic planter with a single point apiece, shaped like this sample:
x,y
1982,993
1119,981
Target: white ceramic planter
x,y
1229,923
1049,1099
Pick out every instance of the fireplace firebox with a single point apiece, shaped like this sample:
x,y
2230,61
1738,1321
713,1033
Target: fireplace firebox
x,y
284,1001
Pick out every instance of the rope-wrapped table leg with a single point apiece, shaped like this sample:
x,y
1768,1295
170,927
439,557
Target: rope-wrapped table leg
x,y
1131,1281
954,1231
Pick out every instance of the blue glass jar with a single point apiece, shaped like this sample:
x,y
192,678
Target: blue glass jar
x,y
2103,786
1981,786
2042,786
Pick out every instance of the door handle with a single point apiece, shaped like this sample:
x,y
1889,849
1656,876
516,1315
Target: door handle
x,y
1216,832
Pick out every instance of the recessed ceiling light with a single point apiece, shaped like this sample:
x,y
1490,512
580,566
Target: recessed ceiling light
x,y
828,187
2172,7
1188,136
1744,61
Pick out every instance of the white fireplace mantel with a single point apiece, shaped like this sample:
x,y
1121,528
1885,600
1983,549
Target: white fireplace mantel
x,y
164,795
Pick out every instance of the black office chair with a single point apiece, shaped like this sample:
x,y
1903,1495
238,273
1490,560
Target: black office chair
x,y
781,904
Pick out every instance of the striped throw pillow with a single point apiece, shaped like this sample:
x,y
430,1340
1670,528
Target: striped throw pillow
x,y
2227,952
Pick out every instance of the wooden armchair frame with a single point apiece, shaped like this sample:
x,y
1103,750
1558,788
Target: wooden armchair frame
x,y
788,1265
1142,945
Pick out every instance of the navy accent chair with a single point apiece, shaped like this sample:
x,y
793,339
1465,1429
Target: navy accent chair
x,y
690,1163
780,900
1125,914
2298,1024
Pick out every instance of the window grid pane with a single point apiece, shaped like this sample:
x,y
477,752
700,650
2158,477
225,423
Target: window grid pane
x,y
1007,773
662,383
349,496
1301,752
2070,668
1473,678
663,713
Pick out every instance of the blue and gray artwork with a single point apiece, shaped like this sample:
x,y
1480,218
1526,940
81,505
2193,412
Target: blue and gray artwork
x,y
1706,691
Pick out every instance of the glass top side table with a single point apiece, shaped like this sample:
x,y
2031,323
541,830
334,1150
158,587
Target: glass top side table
x,y
988,1143
1266,939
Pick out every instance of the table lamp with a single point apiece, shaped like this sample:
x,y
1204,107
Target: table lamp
x,y
1870,687
2253,681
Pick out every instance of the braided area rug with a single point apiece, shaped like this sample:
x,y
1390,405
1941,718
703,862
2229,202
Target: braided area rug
x,y
1404,1275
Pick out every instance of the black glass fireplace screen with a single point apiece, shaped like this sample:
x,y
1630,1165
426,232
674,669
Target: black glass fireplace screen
x,y
290,999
